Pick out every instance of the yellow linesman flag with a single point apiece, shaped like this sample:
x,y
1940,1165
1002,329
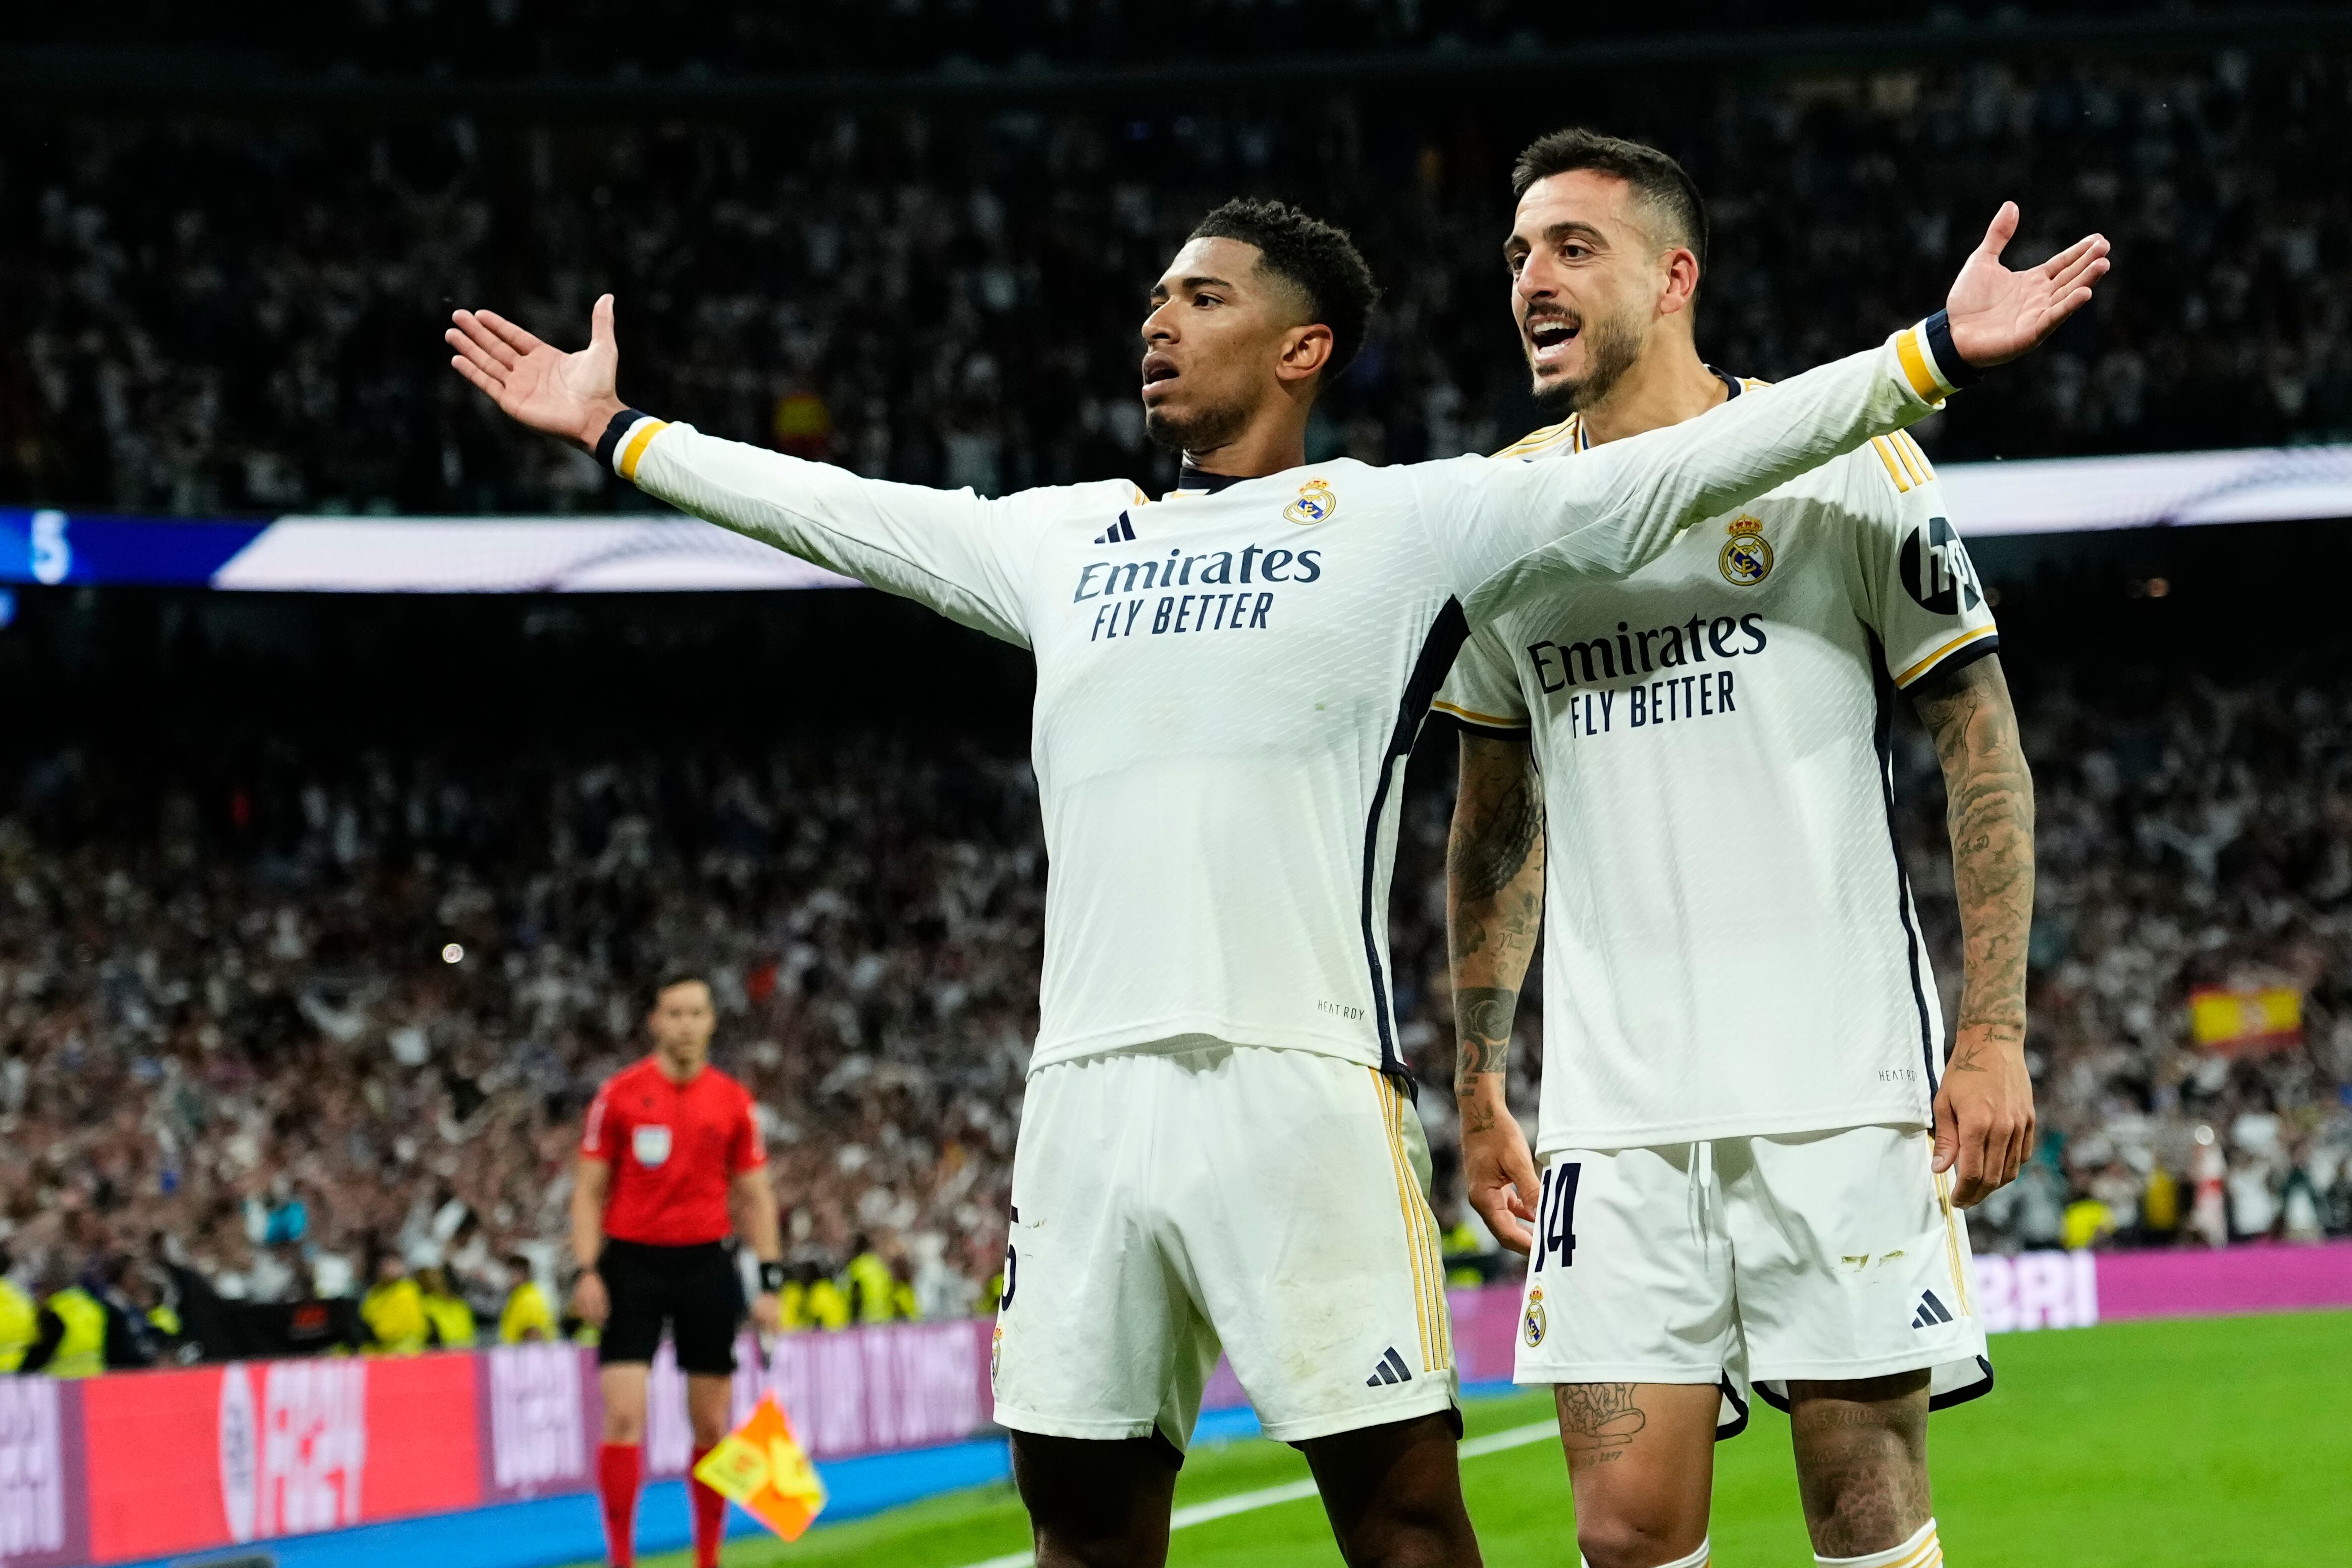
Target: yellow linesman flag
x,y
760,1468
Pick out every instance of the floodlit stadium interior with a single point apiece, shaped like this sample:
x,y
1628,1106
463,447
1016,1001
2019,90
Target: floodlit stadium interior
x,y
324,915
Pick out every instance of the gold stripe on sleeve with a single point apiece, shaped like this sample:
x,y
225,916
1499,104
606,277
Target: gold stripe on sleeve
x,y
1901,449
634,447
1491,721
1895,470
1915,366
1976,634
1918,454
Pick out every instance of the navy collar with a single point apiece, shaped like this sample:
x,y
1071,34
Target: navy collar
x,y
1727,379
1191,480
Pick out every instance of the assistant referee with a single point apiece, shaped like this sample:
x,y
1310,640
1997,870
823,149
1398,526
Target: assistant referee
x,y
671,1169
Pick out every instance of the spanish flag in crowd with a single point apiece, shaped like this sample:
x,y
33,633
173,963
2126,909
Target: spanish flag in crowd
x,y
2233,1022
761,1468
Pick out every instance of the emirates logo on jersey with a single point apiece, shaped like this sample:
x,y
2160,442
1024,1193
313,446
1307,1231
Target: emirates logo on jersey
x,y
1747,559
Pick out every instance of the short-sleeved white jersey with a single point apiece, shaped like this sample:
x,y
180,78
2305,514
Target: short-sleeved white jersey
x,y
1730,945
1229,683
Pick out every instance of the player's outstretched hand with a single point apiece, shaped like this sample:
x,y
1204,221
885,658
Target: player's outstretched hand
x,y
567,395
1984,1118
1997,314
1498,1176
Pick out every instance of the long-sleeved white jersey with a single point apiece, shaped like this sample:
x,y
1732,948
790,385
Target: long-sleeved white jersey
x,y
1228,684
1730,948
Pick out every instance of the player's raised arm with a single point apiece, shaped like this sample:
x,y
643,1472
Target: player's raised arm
x,y
1518,529
943,548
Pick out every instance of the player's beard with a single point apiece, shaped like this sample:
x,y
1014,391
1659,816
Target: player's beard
x,y
1203,430
1612,346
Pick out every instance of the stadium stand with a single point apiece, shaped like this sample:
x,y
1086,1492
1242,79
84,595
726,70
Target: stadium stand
x,y
239,1030
201,312
232,1049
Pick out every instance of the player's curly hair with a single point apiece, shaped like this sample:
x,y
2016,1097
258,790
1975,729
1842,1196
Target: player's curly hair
x,y
1663,185
1320,260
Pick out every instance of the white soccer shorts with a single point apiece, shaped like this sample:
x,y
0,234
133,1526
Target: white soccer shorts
x,y
1827,1256
1269,1201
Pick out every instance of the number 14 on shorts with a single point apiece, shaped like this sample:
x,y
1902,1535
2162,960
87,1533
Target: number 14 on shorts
x,y
1556,1214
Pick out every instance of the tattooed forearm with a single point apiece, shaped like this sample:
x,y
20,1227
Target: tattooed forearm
x,y
1990,816
1482,1035
1498,818
1595,1417
1495,867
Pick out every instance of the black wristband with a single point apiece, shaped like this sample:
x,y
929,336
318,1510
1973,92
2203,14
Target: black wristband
x,y
614,428
772,1276
1938,331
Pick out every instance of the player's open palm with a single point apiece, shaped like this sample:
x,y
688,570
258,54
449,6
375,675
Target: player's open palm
x,y
1997,314
537,384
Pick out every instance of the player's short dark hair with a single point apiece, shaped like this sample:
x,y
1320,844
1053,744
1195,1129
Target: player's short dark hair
x,y
678,974
1319,260
1665,185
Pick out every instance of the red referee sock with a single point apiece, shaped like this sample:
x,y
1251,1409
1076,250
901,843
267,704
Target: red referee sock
x,y
709,1517
617,1466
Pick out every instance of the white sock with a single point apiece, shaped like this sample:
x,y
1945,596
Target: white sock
x,y
1696,1560
1920,1551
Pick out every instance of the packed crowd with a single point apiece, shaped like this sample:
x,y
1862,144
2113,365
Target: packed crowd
x,y
2191,833
361,1016
354,1014
209,312
509,38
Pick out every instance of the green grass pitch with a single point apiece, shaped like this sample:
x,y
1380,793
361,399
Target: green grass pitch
x,y
2216,1444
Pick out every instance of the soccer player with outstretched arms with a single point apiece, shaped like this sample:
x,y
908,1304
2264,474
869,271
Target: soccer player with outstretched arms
x,y
1217,1146
1751,1141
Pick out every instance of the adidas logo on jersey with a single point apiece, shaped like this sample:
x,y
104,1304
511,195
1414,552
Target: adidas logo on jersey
x,y
1932,1312
1390,1370
1119,532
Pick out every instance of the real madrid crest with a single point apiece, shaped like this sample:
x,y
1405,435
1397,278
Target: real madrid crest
x,y
1316,503
995,1353
1747,559
1532,1320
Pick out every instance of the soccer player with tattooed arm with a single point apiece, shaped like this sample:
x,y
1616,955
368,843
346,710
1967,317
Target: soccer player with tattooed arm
x,y
1229,683
1752,1139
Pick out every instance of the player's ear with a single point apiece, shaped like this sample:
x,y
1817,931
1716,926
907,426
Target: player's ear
x,y
1305,351
1680,282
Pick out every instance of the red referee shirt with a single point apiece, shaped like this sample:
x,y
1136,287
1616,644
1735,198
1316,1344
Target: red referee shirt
x,y
674,1149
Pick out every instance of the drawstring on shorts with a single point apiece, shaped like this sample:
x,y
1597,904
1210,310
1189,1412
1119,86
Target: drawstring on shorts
x,y
1701,1195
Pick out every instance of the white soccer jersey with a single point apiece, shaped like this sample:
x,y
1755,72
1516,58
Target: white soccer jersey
x,y
1228,684
1730,945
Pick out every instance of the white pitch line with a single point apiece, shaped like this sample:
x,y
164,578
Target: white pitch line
x,y
1299,1491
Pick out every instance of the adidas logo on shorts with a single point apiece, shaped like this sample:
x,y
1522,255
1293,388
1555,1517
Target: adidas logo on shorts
x,y
1932,1312
1390,1370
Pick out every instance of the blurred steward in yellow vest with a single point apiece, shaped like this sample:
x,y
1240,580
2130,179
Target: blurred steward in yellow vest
x,y
452,1319
394,1310
528,1315
20,1317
